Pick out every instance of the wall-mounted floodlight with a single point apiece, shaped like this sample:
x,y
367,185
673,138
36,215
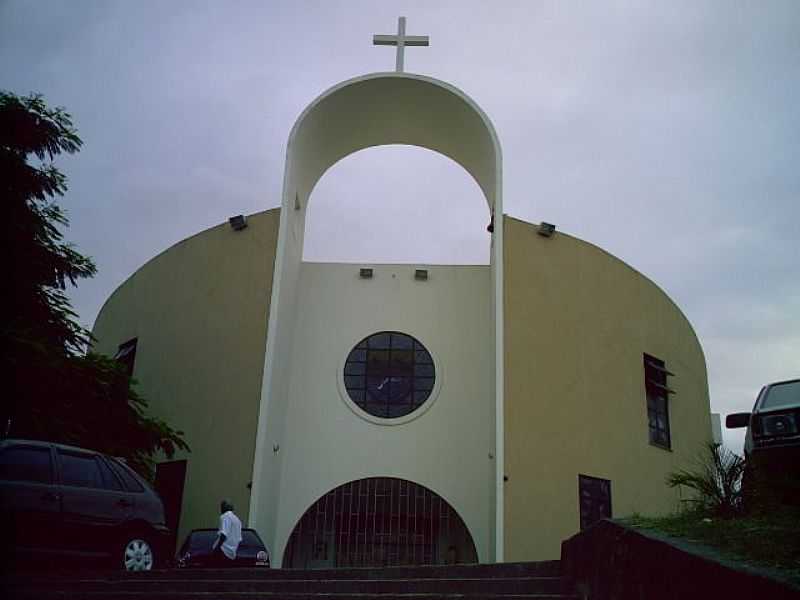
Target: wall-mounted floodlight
x,y
238,222
546,229
365,273
421,274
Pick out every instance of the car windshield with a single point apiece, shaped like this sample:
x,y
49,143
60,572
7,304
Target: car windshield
x,y
783,394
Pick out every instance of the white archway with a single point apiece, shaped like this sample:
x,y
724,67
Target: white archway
x,y
367,111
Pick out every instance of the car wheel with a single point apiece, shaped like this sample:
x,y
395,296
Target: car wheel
x,y
137,554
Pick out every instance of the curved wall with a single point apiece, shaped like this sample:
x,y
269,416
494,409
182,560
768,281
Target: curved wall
x,y
199,311
578,321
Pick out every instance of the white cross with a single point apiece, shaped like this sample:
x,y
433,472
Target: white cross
x,y
401,40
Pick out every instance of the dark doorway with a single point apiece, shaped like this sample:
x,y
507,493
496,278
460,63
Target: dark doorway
x,y
379,521
595,499
170,478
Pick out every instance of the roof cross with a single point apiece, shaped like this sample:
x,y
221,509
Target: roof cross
x,y
401,40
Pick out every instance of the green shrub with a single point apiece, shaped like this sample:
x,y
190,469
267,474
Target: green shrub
x,y
717,481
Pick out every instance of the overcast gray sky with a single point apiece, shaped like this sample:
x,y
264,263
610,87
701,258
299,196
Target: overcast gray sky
x,y
667,133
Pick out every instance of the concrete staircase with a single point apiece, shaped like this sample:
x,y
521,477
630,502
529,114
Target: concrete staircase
x,y
507,581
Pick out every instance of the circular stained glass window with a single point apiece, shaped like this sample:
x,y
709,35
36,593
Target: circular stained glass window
x,y
389,374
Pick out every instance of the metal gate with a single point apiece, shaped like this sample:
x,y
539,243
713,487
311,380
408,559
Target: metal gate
x,y
379,521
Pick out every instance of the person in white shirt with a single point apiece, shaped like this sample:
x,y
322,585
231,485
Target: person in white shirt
x,y
229,536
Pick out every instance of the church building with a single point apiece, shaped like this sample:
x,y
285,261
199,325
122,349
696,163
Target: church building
x,y
386,414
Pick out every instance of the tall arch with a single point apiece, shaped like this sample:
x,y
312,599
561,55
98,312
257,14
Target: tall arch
x,y
371,110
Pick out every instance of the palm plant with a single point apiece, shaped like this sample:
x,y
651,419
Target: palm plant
x,y
717,481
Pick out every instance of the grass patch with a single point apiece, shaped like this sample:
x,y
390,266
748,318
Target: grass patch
x,y
767,539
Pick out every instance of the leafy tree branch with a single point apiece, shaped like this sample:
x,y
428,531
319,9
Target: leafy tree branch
x,y
58,392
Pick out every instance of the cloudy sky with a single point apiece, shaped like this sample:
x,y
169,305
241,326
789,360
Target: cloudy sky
x,y
667,133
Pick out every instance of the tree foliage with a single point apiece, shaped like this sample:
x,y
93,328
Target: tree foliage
x,y
57,391
717,481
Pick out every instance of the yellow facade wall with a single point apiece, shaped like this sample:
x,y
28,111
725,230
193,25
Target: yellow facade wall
x,y
577,322
199,311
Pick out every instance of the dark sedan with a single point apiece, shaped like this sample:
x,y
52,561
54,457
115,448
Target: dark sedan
x,y
196,550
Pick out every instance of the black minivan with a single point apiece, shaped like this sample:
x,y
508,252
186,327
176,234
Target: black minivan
x,y
62,500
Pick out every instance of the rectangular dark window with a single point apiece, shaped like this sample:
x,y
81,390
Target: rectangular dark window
x,y
126,354
657,392
124,472
81,470
594,495
110,481
26,463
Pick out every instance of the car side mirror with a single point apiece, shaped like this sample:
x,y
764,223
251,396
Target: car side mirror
x,y
737,420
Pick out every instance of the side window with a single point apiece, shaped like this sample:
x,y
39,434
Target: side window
x,y
110,481
595,499
80,470
131,483
126,354
26,463
657,391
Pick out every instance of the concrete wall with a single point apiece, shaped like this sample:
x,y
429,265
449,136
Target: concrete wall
x,y
445,445
612,561
199,311
577,323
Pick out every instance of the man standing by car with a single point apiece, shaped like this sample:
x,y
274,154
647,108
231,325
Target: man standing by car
x,y
229,536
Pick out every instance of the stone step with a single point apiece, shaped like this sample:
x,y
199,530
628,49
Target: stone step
x,y
548,568
504,586
506,581
171,595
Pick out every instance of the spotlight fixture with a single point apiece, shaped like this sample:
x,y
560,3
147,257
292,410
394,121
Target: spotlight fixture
x,y
546,229
421,274
365,273
238,222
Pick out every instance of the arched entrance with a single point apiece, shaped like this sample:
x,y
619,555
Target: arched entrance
x,y
379,521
